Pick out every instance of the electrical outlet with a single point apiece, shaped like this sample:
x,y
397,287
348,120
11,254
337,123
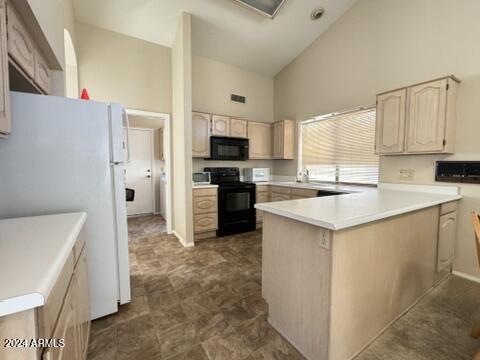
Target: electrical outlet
x,y
324,241
406,174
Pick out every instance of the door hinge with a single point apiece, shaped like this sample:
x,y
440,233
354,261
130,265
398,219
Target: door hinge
x,y
444,142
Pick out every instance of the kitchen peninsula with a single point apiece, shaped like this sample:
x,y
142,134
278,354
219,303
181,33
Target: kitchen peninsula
x,y
338,270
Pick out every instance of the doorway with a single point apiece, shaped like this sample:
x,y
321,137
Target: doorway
x,y
148,172
139,172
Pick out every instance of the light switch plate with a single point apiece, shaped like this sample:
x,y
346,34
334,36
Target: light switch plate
x,y
406,174
324,241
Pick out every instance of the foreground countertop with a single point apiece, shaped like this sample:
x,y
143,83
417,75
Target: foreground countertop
x,y
205,186
361,205
311,186
33,251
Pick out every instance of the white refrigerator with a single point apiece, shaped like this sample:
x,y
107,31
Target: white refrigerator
x,y
67,155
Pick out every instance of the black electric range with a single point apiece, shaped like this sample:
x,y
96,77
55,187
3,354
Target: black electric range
x,y
236,200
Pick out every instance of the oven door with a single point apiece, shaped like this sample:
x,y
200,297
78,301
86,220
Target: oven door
x,y
236,212
223,148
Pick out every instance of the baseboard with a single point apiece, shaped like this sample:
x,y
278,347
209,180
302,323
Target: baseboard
x,y
466,276
182,241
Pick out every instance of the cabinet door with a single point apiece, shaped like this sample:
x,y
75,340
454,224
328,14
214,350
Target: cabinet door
x,y
83,303
260,136
42,73
200,135
446,240
20,44
66,329
220,125
426,117
280,197
5,125
390,128
278,140
238,128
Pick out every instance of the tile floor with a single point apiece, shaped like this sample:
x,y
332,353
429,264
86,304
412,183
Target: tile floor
x,y
205,303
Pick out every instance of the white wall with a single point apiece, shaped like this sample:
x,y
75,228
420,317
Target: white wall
x,y
212,84
119,68
182,131
385,44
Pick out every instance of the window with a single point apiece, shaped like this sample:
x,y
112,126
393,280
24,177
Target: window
x,y
340,148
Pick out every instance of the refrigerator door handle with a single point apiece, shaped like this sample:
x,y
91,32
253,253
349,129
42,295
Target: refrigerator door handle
x,y
126,141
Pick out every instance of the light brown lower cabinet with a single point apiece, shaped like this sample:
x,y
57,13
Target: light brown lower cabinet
x,y
205,209
65,316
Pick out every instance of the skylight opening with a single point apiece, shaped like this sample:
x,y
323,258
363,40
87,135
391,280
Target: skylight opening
x,y
268,8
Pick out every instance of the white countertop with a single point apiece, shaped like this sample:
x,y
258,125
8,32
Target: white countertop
x,y
33,251
207,186
362,206
311,186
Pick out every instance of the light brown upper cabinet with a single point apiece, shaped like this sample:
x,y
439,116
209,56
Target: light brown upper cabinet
x,y
5,122
220,125
238,128
390,125
284,139
43,75
419,119
260,137
201,135
20,43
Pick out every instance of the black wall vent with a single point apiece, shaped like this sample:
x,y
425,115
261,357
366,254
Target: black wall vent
x,y
238,98
458,171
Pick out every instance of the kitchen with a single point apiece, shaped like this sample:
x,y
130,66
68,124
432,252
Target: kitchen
x,y
312,162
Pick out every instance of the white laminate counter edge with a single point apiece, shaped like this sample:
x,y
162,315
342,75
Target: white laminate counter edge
x,y
207,186
434,189
40,289
339,225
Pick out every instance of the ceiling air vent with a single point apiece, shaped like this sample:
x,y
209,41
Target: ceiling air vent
x,y
265,7
238,98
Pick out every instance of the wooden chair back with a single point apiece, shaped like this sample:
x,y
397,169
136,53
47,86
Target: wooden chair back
x,y
476,228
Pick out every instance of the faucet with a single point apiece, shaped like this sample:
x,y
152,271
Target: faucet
x,y
306,176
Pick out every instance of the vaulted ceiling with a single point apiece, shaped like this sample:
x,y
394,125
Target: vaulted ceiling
x,y
221,29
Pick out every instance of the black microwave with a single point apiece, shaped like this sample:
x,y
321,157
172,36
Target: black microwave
x,y
227,148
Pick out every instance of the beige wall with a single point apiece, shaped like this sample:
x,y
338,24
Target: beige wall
x,y
182,131
118,68
212,84
157,125
384,44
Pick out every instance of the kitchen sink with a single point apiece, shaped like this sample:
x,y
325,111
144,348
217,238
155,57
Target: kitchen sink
x,y
321,193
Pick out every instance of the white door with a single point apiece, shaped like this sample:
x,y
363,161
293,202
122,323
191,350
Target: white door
x,y
139,172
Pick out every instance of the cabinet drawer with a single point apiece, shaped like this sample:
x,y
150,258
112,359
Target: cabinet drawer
x,y
280,197
262,188
204,222
48,314
204,204
281,190
20,44
448,207
205,192
262,197
304,192
43,74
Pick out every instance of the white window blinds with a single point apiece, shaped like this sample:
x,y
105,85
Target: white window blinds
x,y
341,148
